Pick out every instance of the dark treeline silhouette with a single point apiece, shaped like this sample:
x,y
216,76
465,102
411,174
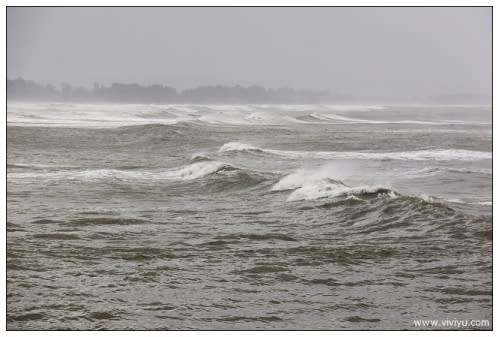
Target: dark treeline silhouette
x,y
28,90
23,90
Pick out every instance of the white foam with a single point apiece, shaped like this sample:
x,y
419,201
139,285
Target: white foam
x,y
456,201
228,107
224,117
292,181
38,166
189,172
427,198
432,171
236,146
270,118
328,189
328,117
91,115
392,195
115,115
319,183
360,108
487,203
353,197
437,154
194,171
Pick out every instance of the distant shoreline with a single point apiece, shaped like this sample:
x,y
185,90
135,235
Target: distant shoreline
x,y
339,104
20,90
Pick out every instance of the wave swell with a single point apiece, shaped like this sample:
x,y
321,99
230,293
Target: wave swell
x,y
189,172
436,154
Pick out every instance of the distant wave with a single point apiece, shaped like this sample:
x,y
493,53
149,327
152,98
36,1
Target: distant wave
x,y
349,120
116,115
486,203
218,176
236,146
36,166
459,201
189,172
438,154
432,171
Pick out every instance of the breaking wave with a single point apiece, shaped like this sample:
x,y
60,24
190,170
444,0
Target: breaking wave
x,y
189,172
329,188
320,184
236,146
311,186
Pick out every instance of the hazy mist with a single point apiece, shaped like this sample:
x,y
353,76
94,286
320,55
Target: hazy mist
x,y
361,51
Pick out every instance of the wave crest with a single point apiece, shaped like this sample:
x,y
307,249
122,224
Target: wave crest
x,y
237,146
331,189
189,172
420,155
318,184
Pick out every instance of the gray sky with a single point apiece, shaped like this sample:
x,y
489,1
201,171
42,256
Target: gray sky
x,y
363,51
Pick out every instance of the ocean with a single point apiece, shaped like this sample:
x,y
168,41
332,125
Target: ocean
x,y
330,217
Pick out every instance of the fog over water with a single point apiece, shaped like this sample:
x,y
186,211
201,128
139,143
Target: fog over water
x,y
360,51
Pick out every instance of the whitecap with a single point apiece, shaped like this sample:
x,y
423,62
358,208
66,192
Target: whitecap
x,y
189,172
434,154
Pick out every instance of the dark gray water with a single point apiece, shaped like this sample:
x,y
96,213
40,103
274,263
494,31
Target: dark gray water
x,y
247,217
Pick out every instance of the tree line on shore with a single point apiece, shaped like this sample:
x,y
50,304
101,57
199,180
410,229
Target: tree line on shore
x,y
25,90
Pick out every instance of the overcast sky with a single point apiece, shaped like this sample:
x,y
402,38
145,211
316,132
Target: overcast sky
x,y
362,51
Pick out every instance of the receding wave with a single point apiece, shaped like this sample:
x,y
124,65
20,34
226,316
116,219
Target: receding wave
x,y
436,154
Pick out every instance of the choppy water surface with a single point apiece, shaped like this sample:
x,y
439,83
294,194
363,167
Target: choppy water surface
x,y
247,217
